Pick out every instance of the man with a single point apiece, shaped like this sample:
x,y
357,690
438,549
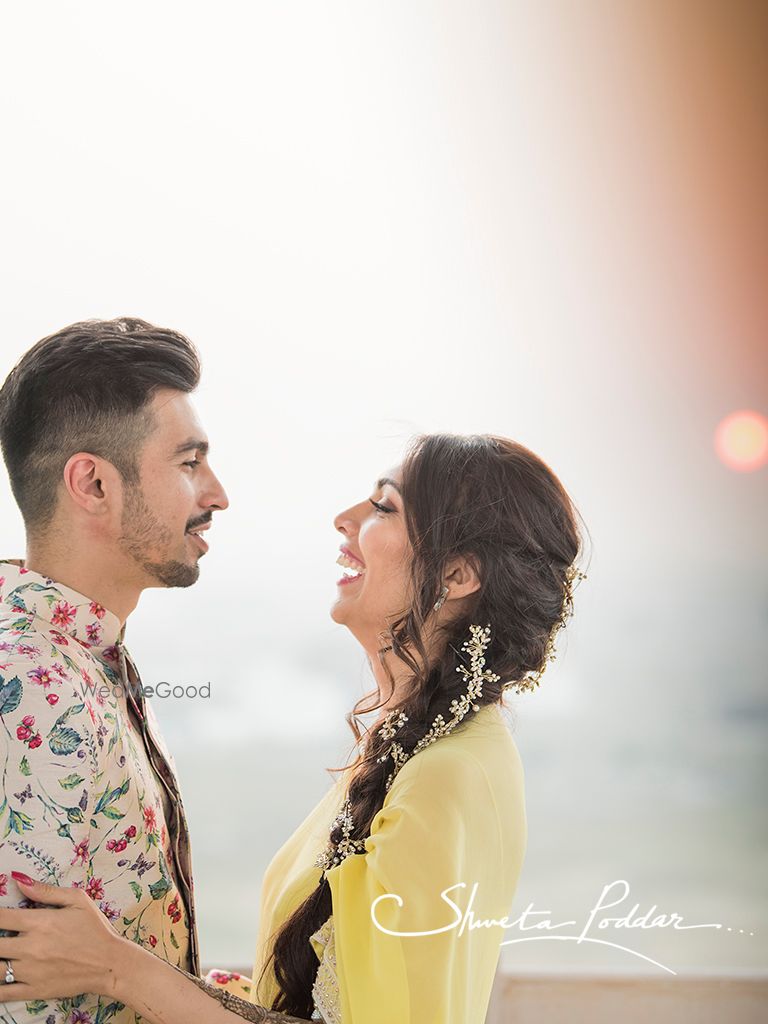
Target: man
x,y
108,464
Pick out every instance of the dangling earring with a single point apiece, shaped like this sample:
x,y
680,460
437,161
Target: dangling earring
x,y
441,600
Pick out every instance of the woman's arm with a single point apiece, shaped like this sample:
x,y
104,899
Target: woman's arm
x,y
164,994
73,949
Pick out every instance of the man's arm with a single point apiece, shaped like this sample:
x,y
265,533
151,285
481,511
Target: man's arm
x,y
49,761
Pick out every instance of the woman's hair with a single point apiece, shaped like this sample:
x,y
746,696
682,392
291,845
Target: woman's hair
x,y
494,502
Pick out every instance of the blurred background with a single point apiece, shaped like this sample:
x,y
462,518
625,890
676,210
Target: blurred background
x,y
546,220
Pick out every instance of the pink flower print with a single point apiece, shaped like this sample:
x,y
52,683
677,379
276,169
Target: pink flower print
x,y
59,637
28,649
80,1017
63,614
222,977
117,845
59,669
98,610
22,571
173,910
23,733
28,720
93,632
150,820
3,885
52,698
95,888
36,740
81,853
109,910
41,676
153,941
110,653
130,832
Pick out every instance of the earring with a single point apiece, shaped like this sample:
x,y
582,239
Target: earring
x,y
441,600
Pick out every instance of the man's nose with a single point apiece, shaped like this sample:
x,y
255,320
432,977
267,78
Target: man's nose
x,y
218,496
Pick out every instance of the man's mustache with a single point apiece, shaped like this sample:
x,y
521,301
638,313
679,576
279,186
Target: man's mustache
x,y
200,521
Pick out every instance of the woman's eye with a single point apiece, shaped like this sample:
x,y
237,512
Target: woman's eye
x,y
193,464
379,507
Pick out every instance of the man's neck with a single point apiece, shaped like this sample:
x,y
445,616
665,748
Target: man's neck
x,y
90,577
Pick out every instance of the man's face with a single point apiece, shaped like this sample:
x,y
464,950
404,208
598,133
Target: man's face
x,y
164,517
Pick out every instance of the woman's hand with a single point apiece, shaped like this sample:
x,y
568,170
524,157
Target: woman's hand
x,y
58,952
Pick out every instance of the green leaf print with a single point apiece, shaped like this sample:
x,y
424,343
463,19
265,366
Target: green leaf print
x,y
69,781
74,814
112,813
136,890
10,695
24,766
109,796
160,888
64,741
75,709
17,822
106,1013
174,941
37,1006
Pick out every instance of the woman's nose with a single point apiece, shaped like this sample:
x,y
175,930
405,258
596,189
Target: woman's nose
x,y
345,522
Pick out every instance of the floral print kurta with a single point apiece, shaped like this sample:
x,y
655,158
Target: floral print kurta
x,y
88,795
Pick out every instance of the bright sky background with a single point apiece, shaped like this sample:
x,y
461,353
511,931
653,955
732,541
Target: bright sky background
x,y
541,220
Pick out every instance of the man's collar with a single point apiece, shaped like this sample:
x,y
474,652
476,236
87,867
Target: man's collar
x,y
61,607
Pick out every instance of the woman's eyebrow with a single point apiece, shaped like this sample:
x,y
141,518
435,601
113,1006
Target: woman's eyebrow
x,y
387,480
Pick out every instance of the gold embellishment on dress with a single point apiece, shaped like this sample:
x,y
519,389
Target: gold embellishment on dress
x,y
325,990
241,1007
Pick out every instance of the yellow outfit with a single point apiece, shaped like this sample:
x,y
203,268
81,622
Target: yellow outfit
x,y
455,814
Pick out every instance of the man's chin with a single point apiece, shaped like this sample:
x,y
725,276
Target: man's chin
x,y
172,573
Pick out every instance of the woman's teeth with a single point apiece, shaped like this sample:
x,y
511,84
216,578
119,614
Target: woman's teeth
x,y
352,569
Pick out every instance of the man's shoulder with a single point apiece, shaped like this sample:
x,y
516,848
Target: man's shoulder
x,y
44,678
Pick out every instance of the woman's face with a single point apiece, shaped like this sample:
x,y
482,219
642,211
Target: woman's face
x,y
376,557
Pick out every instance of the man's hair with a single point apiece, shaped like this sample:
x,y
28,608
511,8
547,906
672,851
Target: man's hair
x,y
86,388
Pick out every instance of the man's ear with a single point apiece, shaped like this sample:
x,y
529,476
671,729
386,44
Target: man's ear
x,y
92,483
461,576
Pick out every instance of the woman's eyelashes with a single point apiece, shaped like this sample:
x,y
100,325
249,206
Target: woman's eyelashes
x,y
379,507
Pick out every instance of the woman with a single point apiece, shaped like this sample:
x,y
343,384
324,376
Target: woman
x,y
388,902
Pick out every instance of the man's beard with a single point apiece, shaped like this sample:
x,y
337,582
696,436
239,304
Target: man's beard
x,y
143,532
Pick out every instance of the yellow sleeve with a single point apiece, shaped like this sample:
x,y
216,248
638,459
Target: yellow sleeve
x,y
437,838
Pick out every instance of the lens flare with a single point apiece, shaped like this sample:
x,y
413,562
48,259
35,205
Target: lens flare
x,y
741,440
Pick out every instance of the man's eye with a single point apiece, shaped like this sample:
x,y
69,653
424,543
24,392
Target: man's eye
x,y
194,463
379,507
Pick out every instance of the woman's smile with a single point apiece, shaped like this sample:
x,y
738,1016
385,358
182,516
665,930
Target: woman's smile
x,y
354,569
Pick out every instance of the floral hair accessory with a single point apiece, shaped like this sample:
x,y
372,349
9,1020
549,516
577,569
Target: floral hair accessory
x,y
531,680
474,676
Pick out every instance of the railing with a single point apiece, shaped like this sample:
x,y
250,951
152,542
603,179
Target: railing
x,y
633,999
611,999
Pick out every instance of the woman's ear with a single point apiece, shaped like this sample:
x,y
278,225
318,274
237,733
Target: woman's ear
x,y
461,577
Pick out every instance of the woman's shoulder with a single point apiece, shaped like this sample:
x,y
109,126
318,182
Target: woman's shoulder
x,y
479,756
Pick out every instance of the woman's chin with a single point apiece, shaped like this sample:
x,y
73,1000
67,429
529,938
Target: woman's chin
x,y
339,610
